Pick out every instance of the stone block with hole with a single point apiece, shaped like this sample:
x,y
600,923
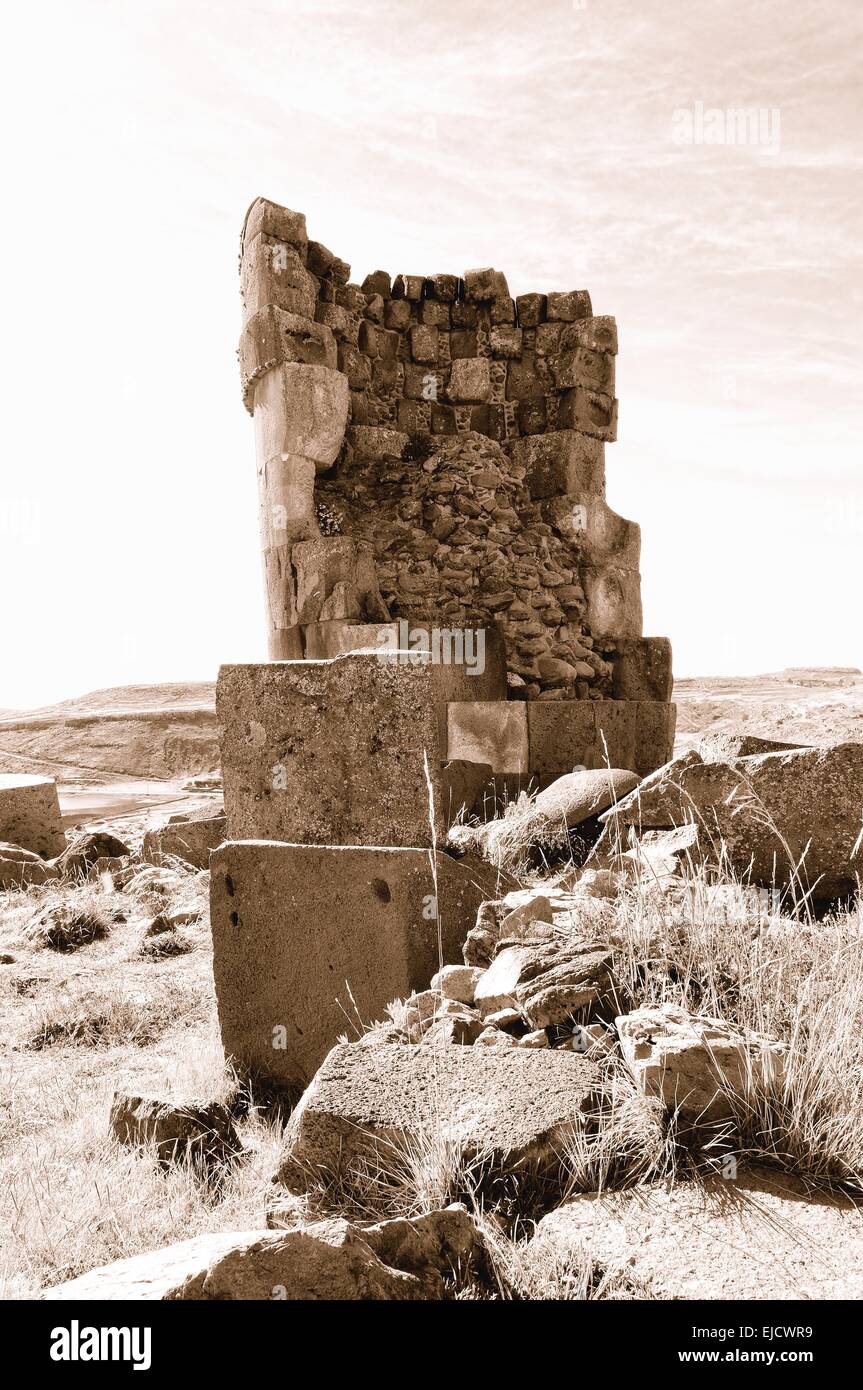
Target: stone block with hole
x,y
312,941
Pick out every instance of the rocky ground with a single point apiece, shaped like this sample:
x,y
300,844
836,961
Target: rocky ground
x,y
645,1079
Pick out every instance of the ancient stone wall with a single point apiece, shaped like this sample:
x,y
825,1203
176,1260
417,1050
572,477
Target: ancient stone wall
x,y
455,436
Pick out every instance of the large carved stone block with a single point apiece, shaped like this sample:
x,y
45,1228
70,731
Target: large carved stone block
x,y
332,752
312,941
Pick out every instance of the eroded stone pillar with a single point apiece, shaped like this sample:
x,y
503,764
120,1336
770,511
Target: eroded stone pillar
x,y
298,398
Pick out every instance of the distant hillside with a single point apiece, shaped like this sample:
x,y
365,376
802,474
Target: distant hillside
x,y
813,705
137,731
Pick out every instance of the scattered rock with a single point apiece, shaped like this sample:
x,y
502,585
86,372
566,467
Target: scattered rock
x,y
190,838
457,982
497,985
169,921
19,868
772,811
696,1065
201,1132
560,982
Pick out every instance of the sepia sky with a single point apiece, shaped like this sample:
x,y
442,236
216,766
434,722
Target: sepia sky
x,y
542,138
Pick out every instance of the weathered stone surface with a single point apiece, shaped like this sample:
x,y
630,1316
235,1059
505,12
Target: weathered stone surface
x,y
562,462
335,580
485,284
696,1065
496,988
331,752
272,337
762,1235
654,735
548,982
329,1260
510,1106
301,410
189,838
769,809
642,669
273,273
562,980
662,852
308,938
490,731
470,380
200,1131
30,814
265,218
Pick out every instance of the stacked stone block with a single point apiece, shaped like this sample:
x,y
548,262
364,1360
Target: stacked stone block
x,y
453,438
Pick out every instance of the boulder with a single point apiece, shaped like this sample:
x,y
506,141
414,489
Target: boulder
x,y
511,1108
86,849
782,816
189,838
457,982
579,795
695,1065
202,1132
21,867
757,1234
548,822
328,1260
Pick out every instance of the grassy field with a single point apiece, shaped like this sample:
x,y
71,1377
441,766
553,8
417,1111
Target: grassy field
x,y
132,1011
76,1027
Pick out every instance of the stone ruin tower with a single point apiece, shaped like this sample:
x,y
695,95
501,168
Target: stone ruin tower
x,y
431,477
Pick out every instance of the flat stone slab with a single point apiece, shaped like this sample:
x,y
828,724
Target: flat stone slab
x,y
331,752
30,814
313,941
513,1107
759,1236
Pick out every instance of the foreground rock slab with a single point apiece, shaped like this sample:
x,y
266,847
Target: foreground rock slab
x,y
396,1260
312,941
760,1236
512,1107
